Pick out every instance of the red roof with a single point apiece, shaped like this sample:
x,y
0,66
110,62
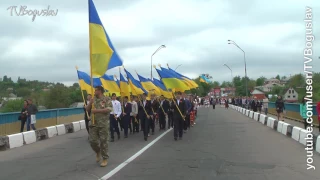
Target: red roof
x,y
259,96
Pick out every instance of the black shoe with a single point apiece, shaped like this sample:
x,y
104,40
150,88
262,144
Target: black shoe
x,y
118,136
175,138
145,138
152,133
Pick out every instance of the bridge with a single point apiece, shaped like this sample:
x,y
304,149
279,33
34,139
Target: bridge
x,y
229,143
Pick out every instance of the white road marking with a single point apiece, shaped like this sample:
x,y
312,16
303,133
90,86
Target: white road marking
x,y
122,165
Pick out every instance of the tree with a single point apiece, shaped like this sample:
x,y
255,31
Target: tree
x,y
23,92
297,80
278,77
260,81
12,106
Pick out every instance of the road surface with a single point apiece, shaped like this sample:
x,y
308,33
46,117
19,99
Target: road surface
x,y
223,145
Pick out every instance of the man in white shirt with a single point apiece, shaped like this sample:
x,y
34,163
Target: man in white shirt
x,y
114,117
134,114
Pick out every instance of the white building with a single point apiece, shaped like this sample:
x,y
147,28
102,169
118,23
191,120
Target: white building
x,y
291,95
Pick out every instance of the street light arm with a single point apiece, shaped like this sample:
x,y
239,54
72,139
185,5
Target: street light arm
x,y
162,46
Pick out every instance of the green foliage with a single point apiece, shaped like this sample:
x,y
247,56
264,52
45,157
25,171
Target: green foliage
x,y
260,81
46,94
12,106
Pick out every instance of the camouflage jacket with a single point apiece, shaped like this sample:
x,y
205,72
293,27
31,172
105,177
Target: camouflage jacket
x,y
102,119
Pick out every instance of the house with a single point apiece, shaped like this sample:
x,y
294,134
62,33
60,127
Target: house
x,y
290,95
258,94
272,81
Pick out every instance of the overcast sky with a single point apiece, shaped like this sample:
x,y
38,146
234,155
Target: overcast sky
x,y
272,33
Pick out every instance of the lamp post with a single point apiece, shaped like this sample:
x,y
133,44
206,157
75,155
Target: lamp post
x,y
160,47
231,73
178,66
245,65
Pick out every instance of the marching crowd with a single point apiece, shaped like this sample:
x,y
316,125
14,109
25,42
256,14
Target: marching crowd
x,y
104,117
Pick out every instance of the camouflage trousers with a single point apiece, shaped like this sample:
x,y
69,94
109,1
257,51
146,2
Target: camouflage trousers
x,y
99,138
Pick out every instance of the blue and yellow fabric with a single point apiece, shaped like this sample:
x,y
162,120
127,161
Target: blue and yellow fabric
x,y
172,81
103,55
84,81
162,88
136,87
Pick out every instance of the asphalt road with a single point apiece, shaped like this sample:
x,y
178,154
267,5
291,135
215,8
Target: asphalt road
x,y
223,145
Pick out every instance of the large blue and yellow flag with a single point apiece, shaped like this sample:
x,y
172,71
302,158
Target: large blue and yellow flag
x,y
110,84
102,53
84,81
148,85
172,81
136,87
124,86
189,81
162,88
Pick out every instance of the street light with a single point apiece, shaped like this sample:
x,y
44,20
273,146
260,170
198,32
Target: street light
x,y
231,72
245,65
178,66
160,47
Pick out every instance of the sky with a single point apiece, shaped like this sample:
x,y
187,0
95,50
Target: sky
x,y
195,32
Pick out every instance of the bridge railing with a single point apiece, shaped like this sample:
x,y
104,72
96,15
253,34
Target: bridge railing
x,y
293,111
9,123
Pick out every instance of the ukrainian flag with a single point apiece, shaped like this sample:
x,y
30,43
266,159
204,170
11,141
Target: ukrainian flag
x,y
162,88
124,86
96,82
84,81
109,84
102,52
136,87
189,81
204,79
172,81
148,85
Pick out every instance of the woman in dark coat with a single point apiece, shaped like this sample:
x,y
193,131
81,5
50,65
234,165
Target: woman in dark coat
x,y
24,115
280,108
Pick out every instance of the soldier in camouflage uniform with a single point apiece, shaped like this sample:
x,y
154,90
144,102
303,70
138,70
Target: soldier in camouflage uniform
x,y
99,131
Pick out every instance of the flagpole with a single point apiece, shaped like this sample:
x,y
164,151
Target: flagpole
x,y
175,103
90,54
84,101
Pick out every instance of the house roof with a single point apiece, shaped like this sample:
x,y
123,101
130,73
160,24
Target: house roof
x,y
259,96
257,91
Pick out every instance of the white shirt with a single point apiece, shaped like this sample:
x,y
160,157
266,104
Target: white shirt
x,y
116,108
134,108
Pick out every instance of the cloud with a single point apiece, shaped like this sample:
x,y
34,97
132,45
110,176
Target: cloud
x,y
194,31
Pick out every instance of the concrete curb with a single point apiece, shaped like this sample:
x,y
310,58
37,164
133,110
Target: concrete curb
x,y
20,139
298,134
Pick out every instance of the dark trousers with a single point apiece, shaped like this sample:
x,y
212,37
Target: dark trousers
x,y
170,120
125,124
145,125
120,123
86,121
187,122
214,106
162,121
135,124
152,123
23,122
178,126
130,124
114,126
29,124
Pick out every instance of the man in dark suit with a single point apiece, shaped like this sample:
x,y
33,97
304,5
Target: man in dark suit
x,y
145,115
163,112
87,113
188,106
170,114
154,109
126,116
179,114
